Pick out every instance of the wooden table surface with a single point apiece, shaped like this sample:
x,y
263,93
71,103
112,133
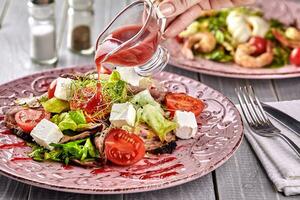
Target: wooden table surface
x,y
242,177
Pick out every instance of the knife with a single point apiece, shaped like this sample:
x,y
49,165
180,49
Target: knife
x,y
284,119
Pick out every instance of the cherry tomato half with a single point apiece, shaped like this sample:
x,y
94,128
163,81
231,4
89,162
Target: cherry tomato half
x,y
260,45
181,101
27,119
51,89
295,57
123,148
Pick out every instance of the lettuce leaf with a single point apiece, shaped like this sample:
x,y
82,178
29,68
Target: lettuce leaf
x,y
70,121
115,89
67,123
55,105
79,149
152,116
143,98
219,55
77,116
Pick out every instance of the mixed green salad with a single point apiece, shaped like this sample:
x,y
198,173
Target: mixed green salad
x,y
241,35
80,122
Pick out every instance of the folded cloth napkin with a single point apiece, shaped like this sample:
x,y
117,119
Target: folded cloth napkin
x,y
280,162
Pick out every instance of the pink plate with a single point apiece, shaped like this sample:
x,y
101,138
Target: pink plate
x,y
285,11
219,135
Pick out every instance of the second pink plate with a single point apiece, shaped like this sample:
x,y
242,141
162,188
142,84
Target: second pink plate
x,y
286,11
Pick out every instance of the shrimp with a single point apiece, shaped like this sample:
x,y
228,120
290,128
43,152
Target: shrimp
x,y
203,42
284,40
243,56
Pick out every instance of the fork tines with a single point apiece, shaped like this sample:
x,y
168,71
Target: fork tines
x,y
251,106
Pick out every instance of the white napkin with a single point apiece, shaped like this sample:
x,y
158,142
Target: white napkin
x,y
280,162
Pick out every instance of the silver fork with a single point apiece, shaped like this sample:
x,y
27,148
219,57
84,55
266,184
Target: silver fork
x,y
256,117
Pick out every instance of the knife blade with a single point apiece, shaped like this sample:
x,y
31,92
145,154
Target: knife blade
x,y
283,118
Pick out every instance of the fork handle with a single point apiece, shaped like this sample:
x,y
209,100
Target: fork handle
x,y
291,143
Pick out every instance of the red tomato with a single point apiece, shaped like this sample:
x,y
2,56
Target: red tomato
x,y
295,57
260,44
27,119
179,39
51,89
181,101
123,148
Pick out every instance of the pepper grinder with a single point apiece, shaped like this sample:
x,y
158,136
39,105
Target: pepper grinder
x,y
42,31
80,23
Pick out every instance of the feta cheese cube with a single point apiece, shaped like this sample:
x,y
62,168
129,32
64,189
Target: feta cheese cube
x,y
122,114
186,124
46,133
64,89
129,75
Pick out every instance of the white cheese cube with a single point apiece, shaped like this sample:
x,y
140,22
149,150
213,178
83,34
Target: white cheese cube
x,y
129,75
122,114
186,124
64,89
46,133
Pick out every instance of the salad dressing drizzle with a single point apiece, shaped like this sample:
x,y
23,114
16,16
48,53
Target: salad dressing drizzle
x,y
6,132
20,159
67,167
13,145
135,171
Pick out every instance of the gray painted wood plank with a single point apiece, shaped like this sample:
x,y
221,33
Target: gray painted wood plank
x,y
10,189
224,85
288,89
175,70
44,194
200,189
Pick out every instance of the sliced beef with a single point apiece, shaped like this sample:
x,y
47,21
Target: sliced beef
x,y
158,93
87,164
155,146
166,148
99,144
84,134
9,119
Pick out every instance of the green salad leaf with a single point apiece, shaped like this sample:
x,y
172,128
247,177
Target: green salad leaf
x,y
80,149
219,55
77,116
115,89
193,28
114,76
152,116
55,105
143,98
248,11
218,21
281,56
274,24
72,120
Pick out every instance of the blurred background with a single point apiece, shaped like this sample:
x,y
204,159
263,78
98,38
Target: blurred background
x,y
17,21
